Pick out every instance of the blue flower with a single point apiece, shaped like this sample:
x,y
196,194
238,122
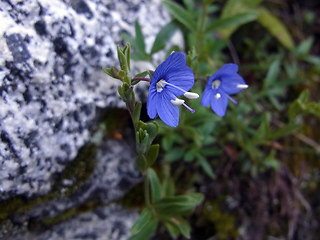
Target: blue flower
x,y
224,82
171,79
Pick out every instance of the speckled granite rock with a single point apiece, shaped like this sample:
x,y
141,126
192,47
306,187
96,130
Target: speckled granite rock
x,y
113,175
104,223
51,54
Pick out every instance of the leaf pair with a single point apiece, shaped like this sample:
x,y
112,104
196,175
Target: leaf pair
x,y
165,208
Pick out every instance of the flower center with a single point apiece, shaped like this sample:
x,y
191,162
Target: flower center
x,y
160,85
216,84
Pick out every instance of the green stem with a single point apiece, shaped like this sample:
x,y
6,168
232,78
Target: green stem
x,y
146,189
130,107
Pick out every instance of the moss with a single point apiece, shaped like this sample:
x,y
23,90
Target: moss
x,y
68,214
134,198
224,223
79,170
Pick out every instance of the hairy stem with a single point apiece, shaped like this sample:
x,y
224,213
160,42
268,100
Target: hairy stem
x,y
131,106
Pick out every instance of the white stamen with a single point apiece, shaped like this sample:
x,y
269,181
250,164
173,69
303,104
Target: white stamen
x,y
191,95
216,84
242,86
177,102
217,96
160,85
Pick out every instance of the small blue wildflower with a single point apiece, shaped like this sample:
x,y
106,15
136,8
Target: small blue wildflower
x,y
224,82
171,79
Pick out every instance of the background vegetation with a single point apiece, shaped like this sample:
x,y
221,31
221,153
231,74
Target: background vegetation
x,y
257,167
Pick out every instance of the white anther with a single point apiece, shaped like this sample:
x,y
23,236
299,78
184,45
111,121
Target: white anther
x,y
191,95
177,102
216,84
217,96
242,86
160,85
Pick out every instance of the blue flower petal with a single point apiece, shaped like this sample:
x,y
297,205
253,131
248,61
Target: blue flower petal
x,y
229,84
182,78
152,101
168,112
206,97
228,69
219,106
175,60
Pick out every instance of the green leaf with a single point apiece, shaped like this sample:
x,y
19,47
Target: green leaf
x,y
234,8
127,80
212,9
305,46
163,37
146,231
136,113
166,142
232,21
182,225
126,52
142,74
112,72
143,140
283,131
155,185
271,161
263,128
177,225
315,60
141,163
150,73
122,74
206,166
275,27
190,4
239,5
272,74
274,101
304,96
121,93
140,223
122,60
173,230
181,14
152,154
167,188
189,156
151,128
178,204
141,47
209,151
174,154
130,39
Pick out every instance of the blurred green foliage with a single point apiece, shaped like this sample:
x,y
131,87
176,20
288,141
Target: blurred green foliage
x,y
270,131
